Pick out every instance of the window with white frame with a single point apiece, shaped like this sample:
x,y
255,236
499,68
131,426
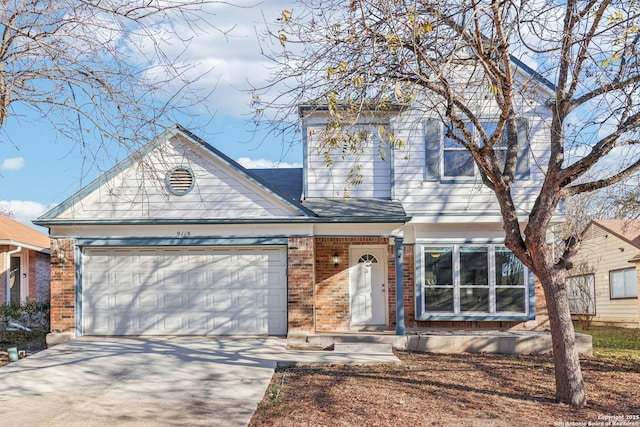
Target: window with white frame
x,y
581,291
456,160
478,280
447,160
623,283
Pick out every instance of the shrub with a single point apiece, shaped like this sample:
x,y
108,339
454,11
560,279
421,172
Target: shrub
x,y
33,315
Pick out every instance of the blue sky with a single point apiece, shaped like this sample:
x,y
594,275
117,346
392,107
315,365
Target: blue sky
x,y
39,168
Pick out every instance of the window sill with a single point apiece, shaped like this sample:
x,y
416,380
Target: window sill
x,y
474,180
476,317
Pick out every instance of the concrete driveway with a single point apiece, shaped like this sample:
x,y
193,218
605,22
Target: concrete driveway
x,y
126,381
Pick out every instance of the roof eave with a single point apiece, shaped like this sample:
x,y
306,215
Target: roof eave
x,y
168,133
213,221
23,245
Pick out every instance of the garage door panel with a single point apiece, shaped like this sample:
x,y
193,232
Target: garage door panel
x,y
168,291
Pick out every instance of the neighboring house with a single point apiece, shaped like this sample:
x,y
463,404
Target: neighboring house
x,y
24,263
605,280
181,239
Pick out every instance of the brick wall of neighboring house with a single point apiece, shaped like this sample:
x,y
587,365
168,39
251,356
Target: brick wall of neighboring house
x,y
42,277
332,283
63,289
37,271
31,261
300,267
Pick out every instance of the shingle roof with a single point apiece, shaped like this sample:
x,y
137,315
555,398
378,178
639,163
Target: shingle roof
x,y
379,209
287,180
14,231
626,229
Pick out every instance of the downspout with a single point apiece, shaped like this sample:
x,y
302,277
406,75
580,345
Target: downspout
x,y
8,272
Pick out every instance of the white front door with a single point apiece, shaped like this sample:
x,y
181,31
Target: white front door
x,y
367,286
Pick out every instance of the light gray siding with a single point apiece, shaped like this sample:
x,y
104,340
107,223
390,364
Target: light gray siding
x,y
334,181
423,194
140,191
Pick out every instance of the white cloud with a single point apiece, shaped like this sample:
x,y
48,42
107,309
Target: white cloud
x,y
265,164
227,59
12,164
24,211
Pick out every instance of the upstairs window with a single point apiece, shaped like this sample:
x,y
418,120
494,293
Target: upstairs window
x,y
447,160
456,160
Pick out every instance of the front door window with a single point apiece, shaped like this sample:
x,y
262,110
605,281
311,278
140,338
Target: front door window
x,y
14,281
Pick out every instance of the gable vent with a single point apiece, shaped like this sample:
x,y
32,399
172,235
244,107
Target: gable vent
x,y
180,180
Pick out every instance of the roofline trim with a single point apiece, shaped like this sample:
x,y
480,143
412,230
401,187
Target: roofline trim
x,y
145,149
23,245
209,221
604,227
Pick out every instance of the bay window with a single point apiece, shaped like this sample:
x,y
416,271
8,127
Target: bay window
x,y
486,282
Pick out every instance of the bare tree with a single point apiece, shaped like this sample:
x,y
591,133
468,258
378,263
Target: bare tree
x,y
99,71
364,54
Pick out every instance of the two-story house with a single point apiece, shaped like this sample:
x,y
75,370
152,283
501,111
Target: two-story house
x,y
181,239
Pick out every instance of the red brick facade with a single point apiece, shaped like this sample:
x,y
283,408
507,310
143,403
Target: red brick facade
x,y
325,287
300,267
63,289
332,282
318,291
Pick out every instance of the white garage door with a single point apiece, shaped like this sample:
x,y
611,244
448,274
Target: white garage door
x,y
184,291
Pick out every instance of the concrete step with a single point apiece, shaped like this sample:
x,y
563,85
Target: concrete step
x,y
362,347
351,342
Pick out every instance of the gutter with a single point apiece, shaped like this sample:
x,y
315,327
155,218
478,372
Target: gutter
x,y
204,221
23,246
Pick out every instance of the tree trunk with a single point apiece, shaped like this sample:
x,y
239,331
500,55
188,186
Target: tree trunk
x,y
569,381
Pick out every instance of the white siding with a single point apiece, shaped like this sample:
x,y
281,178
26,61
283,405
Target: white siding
x,y
333,181
435,197
418,195
220,191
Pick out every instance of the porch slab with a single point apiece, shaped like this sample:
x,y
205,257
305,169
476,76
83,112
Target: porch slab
x,y
442,341
501,342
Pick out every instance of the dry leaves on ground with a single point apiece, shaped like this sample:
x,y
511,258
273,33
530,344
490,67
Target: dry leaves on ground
x,y
447,390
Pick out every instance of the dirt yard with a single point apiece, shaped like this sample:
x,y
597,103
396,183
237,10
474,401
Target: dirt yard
x,y
30,343
449,390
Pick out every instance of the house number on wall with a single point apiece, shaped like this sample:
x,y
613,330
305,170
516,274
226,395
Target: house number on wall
x,y
184,233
